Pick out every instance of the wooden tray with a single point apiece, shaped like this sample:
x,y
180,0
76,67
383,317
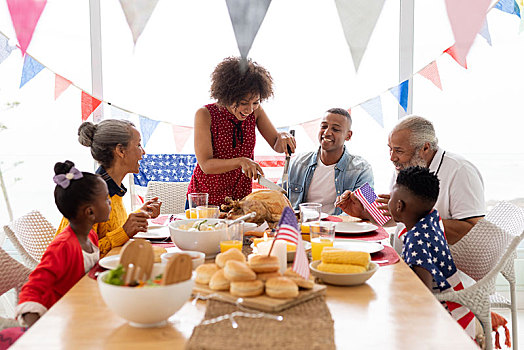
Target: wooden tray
x,y
263,302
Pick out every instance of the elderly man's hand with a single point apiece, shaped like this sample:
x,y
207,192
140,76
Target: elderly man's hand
x,y
351,205
383,200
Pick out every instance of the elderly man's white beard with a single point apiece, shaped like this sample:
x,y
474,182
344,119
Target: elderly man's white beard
x,y
416,160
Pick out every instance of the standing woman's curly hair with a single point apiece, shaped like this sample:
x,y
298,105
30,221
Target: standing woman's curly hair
x,y
230,82
103,138
73,188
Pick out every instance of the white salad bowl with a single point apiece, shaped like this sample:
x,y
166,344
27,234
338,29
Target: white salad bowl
x,y
147,306
207,242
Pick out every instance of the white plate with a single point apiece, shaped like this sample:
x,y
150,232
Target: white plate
x,y
358,246
109,262
154,232
323,216
354,227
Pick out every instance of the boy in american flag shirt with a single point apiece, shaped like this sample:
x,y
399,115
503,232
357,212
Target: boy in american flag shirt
x,y
425,249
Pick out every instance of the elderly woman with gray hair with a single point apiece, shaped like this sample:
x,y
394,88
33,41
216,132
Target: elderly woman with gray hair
x,y
115,145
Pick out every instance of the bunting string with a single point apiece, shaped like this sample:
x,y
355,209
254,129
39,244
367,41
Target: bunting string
x,y
372,106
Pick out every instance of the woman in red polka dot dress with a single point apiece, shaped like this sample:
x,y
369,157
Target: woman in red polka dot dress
x,y
225,131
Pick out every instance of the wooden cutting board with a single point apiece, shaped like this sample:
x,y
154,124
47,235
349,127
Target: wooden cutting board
x,y
263,302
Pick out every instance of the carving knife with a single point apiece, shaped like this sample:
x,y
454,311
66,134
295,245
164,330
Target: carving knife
x,y
269,184
285,175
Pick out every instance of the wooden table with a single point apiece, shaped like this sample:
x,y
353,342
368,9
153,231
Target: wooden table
x,y
393,310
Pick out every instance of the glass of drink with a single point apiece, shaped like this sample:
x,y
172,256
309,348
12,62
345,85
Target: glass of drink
x,y
309,212
195,200
234,237
207,211
322,235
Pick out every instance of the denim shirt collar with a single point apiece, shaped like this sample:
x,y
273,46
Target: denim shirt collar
x,y
341,164
112,187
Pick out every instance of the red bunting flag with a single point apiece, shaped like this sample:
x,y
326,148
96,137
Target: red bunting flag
x,y
311,128
89,104
430,72
452,51
25,15
181,134
61,84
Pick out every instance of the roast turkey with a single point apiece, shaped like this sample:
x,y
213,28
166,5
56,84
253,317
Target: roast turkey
x,y
268,205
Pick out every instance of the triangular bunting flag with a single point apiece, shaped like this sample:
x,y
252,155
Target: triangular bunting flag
x,y
484,32
374,109
466,18
30,69
25,15
401,93
137,14
181,134
349,110
246,17
453,53
430,72
311,128
508,6
118,113
89,104
358,18
147,127
5,49
61,84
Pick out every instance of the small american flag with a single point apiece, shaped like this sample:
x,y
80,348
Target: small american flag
x,y
288,231
367,197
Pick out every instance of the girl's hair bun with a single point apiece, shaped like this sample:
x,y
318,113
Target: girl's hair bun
x,y
86,132
63,168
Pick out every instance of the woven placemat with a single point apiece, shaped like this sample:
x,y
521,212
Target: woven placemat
x,y
306,326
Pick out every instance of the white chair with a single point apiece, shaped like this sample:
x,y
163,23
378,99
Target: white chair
x,y
489,248
12,275
30,235
171,194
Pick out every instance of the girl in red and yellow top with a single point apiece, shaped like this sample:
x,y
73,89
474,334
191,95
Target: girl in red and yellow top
x,y
115,144
83,199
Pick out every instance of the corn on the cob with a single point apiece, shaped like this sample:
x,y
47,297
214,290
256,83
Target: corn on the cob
x,y
340,268
338,256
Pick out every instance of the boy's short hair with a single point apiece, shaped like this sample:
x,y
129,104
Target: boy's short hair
x,y
420,182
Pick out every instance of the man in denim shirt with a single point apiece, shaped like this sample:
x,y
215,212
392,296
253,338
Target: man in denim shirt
x,y
323,175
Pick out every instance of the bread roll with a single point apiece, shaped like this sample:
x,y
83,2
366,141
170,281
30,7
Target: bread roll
x,y
281,287
205,272
231,254
247,289
157,251
264,276
299,280
264,263
219,281
236,271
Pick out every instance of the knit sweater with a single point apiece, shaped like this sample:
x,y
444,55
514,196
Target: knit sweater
x,y
110,233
